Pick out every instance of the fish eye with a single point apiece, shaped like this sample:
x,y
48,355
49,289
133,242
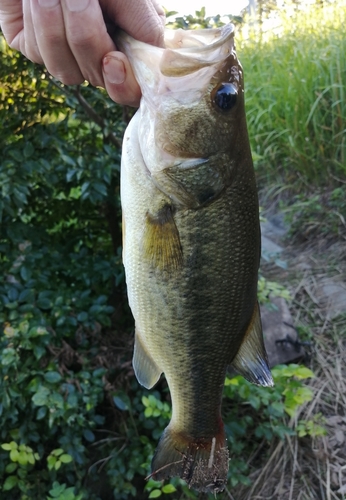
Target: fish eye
x,y
225,96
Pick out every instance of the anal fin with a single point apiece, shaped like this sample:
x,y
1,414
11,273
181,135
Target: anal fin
x,y
251,360
146,370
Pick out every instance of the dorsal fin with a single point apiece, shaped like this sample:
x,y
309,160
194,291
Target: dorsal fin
x,y
251,360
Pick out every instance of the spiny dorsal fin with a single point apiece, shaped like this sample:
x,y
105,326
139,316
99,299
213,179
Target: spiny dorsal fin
x,y
251,360
146,370
161,242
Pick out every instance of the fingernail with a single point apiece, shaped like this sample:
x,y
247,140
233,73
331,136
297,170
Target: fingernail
x,y
47,4
114,70
77,5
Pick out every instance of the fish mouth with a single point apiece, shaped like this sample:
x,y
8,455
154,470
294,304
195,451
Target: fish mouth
x,y
188,56
190,51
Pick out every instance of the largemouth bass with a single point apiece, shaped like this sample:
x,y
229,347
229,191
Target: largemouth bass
x,y
191,242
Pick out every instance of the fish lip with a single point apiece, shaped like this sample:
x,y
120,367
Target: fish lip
x,y
185,51
218,36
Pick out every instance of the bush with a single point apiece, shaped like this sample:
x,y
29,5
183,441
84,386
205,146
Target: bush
x,y
60,257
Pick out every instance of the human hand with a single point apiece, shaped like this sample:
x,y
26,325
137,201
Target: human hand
x,y
72,38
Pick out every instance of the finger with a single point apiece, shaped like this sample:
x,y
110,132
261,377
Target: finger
x,y
143,20
120,81
160,12
31,49
51,39
11,20
87,37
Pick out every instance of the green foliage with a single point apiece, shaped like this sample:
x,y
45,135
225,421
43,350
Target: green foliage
x,y
199,20
61,492
157,489
268,289
20,469
57,458
265,413
60,257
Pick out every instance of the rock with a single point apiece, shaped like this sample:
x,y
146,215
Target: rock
x,y
331,295
269,248
277,325
275,227
273,230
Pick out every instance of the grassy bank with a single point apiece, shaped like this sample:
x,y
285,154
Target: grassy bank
x,y
295,93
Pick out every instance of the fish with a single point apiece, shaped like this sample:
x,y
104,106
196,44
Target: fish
x,y
191,242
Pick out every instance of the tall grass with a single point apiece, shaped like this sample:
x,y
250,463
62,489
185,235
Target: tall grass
x,y
295,94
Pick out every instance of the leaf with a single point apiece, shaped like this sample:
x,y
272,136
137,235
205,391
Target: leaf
x,y
88,435
145,401
28,150
41,413
148,412
19,197
56,399
39,351
100,188
10,483
15,154
12,294
52,377
23,458
8,446
232,381
65,459
67,159
44,304
168,488
25,274
82,316
36,331
57,489
70,174
303,372
120,403
41,396
51,462
11,467
170,13
14,455
57,452
155,494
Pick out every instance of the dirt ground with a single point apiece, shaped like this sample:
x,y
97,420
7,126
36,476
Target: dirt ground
x,y
310,468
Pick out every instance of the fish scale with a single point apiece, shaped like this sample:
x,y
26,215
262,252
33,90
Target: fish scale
x,y
191,243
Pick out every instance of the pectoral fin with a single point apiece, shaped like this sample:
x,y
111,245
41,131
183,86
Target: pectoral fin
x,y
161,242
146,370
251,359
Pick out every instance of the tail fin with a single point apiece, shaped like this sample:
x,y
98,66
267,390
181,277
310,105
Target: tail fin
x,y
202,463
